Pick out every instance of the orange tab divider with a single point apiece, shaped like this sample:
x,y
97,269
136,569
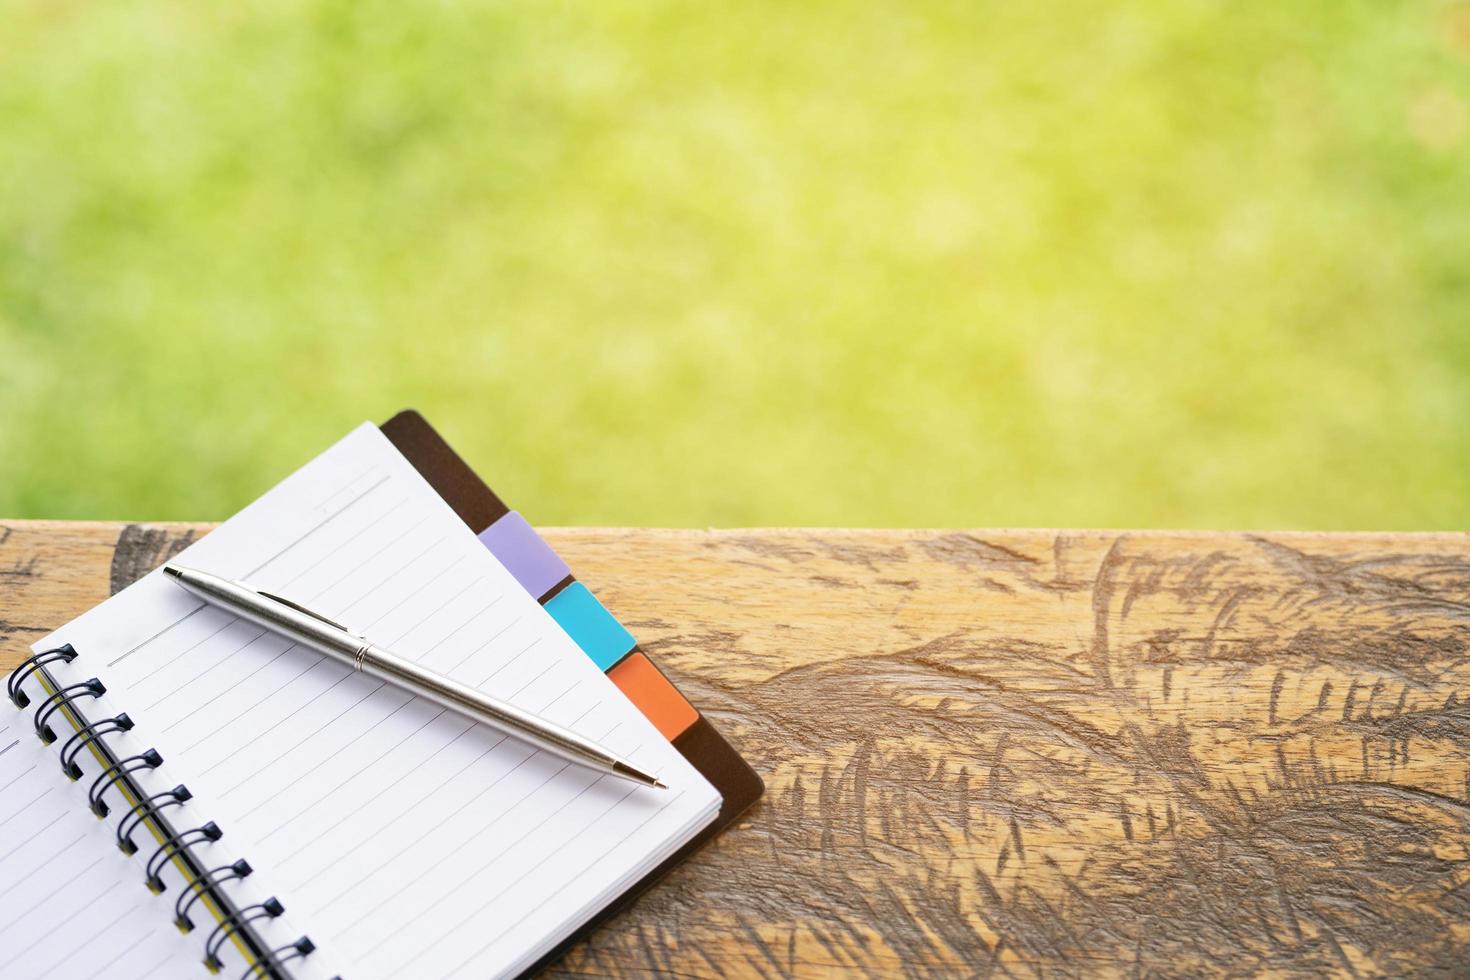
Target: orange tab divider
x,y
660,702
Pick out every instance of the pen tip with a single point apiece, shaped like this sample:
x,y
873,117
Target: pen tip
x,y
660,784
637,775
173,570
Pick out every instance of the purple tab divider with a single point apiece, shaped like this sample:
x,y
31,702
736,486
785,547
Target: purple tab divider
x,y
521,550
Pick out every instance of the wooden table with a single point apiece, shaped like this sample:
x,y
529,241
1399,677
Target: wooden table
x,y
1020,752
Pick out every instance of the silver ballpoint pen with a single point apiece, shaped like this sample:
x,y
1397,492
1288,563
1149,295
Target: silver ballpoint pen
x,y
317,632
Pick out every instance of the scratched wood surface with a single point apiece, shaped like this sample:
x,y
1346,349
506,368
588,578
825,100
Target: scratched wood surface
x,y
1020,752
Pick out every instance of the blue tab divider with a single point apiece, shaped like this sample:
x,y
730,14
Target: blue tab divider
x,y
585,620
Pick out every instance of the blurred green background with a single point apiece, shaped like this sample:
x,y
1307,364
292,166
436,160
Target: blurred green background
x,y
1154,264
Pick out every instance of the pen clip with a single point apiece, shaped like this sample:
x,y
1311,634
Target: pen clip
x,y
302,609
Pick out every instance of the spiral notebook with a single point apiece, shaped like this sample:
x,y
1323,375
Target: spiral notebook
x,y
293,819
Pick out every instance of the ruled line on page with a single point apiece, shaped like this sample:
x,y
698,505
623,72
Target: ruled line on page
x,y
128,653
444,782
452,776
507,665
483,646
410,701
365,595
316,731
215,662
392,573
26,840
479,611
105,967
366,527
373,801
437,609
236,619
96,934
327,759
287,821
38,902
408,847
350,605
225,727
18,776
476,613
570,688
557,894
203,706
481,830
544,671
452,855
341,610
229,621
153,970
317,527
483,866
64,848
320,659
581,828
347,674
362,564
96,897
346,487
27,805
362,769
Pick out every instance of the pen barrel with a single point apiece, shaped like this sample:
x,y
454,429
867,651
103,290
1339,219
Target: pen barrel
x,y
336,641
476,705
310,632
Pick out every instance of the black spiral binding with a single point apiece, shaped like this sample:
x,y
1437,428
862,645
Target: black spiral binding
x,y
89,734
116,772
29,666
235,923
196,889
141,810
63,698
268,909
209,832
292,951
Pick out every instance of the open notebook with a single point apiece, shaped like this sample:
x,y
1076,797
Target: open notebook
x,y
398,839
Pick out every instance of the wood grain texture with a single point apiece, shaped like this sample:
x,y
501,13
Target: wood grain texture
x,y
1020,752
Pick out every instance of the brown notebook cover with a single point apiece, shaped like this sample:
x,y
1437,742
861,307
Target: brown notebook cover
x,y
539,571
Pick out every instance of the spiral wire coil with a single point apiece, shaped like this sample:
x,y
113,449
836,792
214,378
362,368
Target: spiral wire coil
x,y
29,666
87,735
145,808
175,845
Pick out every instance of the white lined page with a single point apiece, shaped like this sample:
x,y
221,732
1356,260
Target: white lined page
x,y
413,840
72,905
